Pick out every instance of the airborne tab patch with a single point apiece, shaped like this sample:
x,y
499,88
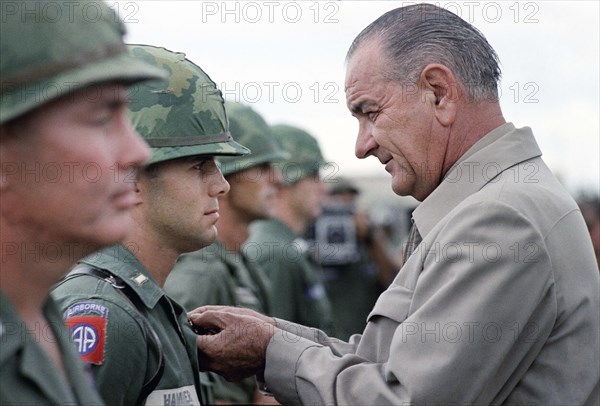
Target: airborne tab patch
x,y
88,332
86,308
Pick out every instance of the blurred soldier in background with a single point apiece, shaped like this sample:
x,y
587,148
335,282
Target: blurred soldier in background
x,y
222,274
298,293
135,336
63,108
353,253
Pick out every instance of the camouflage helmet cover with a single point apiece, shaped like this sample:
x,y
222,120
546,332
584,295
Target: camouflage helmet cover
x,y
305,155
50,49
183,115
250,129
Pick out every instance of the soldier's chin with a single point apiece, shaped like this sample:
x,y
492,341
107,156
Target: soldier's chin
x,y
204,240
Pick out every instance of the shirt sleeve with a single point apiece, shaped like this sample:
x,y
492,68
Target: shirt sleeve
x,y
103,324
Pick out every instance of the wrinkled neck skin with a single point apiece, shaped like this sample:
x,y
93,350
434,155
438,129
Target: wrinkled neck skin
x,y
471,125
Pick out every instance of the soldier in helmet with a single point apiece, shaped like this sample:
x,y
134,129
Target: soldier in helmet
x,y
135,337
222,274
66,148
298,291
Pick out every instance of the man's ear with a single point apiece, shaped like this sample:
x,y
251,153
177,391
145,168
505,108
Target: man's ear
x,y
441,81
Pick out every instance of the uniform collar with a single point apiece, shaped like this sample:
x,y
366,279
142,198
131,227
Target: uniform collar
x,y
8,319
216,252
232,259
121,262
497,151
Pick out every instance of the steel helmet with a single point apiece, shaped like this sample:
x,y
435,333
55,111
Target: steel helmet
x,y
50,49
305,155
250,129
183,115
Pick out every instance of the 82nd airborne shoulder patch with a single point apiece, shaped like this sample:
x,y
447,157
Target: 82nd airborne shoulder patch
x,y
86,322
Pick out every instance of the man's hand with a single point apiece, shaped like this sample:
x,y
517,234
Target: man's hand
x,y
242,311
239,346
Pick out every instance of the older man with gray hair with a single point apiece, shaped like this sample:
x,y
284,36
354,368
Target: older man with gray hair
x,y
498,299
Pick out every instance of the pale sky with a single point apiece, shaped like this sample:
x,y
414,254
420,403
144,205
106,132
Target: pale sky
x,y
286,59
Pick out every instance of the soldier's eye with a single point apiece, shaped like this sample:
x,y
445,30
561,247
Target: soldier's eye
x,y
206,166
200,165
101,120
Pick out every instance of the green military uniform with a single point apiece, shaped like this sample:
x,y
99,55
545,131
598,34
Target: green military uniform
x,y
27,375
352,290
298,293
216,276
131,354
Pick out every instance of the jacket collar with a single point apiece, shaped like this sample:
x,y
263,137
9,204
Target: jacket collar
x,y
121,262
497,151
8,318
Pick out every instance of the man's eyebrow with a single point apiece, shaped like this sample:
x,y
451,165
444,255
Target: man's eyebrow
x,y
117,102
106,103
196,159
114,98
